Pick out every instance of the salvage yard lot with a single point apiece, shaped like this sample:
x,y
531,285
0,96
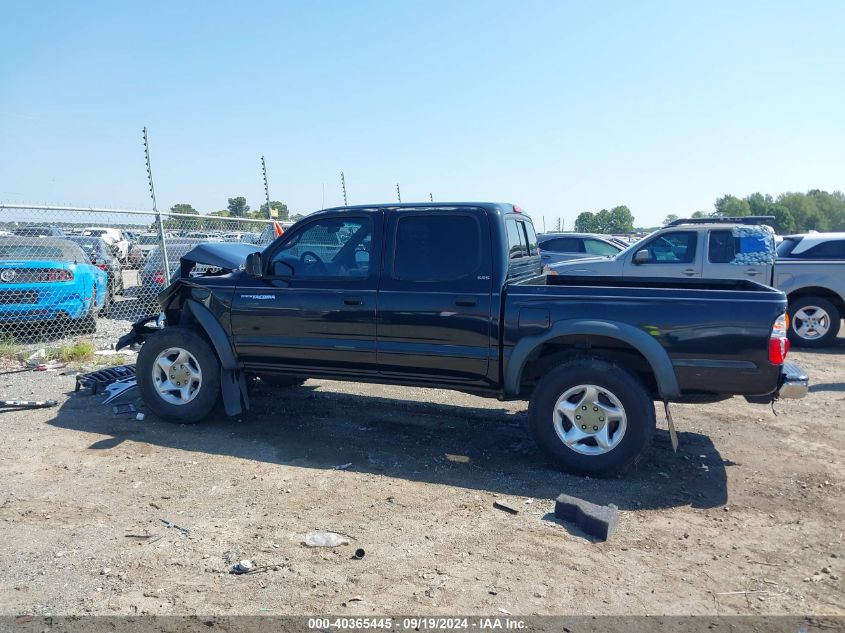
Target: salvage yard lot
x,y
752,502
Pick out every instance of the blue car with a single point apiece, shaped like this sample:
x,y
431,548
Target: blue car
x,y
49,279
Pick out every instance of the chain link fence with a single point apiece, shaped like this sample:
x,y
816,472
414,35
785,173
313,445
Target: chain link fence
x,y
68,273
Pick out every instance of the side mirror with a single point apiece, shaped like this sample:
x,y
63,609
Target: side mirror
x,y
642,257
252,266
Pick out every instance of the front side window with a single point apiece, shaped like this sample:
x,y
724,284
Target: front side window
x,y
516,240
337,248
671,248
597,247
435,247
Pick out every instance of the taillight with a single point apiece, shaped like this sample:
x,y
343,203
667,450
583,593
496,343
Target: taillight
x,y
59,274
158,277
778,342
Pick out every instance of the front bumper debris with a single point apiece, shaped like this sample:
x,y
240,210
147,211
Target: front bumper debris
x,y
794,382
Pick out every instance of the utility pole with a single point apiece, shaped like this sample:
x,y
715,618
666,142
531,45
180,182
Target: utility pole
x,y
266,188
155,205
430,197
343,186
398,193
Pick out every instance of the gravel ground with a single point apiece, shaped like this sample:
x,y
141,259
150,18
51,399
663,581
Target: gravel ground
x,y
747,518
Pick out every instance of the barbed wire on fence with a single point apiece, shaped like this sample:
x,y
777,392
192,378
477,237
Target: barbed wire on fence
x,y
71,272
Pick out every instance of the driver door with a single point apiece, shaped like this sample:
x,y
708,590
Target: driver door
x,y
315,305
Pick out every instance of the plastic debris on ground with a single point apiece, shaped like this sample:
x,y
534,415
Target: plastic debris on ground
x,y
325,539
98,380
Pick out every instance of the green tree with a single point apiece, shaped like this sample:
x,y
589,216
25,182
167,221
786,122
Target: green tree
x,y
296,217
670,218
280,207
731,206
238,207
586,222
621,220
184,208
699,214
803,208
784,223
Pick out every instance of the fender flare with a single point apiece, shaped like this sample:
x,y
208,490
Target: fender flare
x,y
215,333
655,355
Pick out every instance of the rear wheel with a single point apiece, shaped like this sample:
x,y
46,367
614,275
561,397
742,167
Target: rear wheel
x,y
591,417
813,322
179,375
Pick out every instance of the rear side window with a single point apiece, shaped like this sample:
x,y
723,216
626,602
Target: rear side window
x,y
563,245
436,247
516,240
531,237
723,247
834,249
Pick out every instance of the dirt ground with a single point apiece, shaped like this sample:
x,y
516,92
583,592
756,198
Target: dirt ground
x,y
747,518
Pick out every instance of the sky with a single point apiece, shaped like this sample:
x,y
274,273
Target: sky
x,y
560,107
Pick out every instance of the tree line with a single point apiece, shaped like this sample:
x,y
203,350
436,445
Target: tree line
x,y
793,212
236,208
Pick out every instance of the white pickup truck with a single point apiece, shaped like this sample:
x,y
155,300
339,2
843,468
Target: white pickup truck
x,y
809,268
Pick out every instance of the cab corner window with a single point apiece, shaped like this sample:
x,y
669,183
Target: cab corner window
x,y
331,248
436,247
531,238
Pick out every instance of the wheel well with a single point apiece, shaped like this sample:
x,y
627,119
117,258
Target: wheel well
x,y
824,293
565,348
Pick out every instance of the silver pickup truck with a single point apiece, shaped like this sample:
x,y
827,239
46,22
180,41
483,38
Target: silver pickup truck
x,y
809,268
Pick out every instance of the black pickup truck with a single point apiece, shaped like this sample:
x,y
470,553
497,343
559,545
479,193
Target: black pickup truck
x,y
453,296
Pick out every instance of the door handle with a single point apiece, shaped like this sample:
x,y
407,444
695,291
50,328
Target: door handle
x,y
751,272
466,302
689,272
353,301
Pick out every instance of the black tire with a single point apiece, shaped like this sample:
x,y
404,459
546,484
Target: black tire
x,y
107,303
88,323
279,381
832,316
208,394
609,377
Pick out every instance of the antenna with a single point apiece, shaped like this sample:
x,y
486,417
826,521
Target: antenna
x,y
343,186
266,188
155,206
398,193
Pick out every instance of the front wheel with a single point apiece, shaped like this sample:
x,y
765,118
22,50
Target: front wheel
x,y
813,322
591,417
178,375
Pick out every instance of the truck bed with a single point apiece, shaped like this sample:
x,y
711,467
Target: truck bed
x,y
715,332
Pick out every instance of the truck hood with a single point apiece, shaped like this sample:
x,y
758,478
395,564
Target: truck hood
x,y
221,255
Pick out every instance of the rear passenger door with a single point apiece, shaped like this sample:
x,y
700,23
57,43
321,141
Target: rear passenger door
x,y
722,249
434,302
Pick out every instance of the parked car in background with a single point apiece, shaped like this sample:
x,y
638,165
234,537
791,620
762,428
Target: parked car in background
x,y
102,257
49,279
113,237
154,277
561,247
39,231
810,268
805,267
